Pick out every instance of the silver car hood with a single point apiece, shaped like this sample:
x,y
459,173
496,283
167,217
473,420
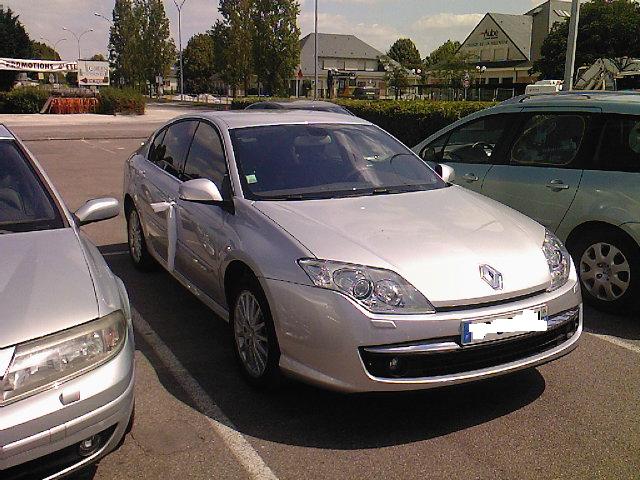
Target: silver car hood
x,y
437,240
45,285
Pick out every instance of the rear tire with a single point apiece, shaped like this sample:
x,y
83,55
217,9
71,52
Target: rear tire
x,y
254,337
608,264
138,251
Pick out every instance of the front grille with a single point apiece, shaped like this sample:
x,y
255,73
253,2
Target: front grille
x,y
53,463
472,357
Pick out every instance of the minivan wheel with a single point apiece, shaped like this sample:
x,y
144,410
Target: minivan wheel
x,y
138,251
254,337
608,265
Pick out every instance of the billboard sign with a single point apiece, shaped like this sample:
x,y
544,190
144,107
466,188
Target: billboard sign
x,y
93,73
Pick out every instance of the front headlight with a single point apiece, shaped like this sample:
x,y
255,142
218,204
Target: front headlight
x,y
44,363
376,289
558,260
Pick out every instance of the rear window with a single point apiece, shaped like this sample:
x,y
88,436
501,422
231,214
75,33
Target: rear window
x,y
25,204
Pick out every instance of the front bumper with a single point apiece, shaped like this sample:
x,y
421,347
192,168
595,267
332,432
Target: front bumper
x,y
39,436
324,338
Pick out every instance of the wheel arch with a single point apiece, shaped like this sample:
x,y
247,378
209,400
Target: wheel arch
x,y
235,270
575,234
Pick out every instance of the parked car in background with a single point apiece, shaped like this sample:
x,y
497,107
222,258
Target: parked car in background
x,y
313,105
340,258
66,338
366,93
570,162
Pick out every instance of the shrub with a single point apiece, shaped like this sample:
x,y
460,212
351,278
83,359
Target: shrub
x,y
24,100
116,100
411,121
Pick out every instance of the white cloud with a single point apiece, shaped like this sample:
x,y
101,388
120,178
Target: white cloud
x,y
448,20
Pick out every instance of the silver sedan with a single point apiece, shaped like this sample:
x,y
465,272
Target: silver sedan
x,y
340,258
66,338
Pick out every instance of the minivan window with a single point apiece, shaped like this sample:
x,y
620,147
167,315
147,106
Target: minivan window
x,y
206,156
475,141
298,162
549,140
25,204
620,145
175,145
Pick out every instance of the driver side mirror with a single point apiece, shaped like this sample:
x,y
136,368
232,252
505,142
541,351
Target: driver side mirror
x,y
447,173
97,210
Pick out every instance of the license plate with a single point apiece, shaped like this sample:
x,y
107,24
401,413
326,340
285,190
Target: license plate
x,y
504,326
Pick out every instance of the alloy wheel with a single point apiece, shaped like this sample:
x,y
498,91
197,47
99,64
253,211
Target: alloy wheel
x,y
250,331
135,236
605,271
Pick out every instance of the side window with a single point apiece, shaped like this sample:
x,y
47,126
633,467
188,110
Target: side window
x,y
156,152
206,157
549,140
172,153
620,145
432,152
476,141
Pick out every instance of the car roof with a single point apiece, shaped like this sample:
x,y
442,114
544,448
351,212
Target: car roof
x,y
5,134
607,101
255,118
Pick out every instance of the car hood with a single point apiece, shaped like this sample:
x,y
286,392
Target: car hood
x,y
45,285
437,240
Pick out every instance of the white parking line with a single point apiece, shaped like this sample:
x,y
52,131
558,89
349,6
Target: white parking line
x,y
616,341
234,440
114,254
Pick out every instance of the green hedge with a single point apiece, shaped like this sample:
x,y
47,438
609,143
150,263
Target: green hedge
x,y
411,121
116,100
23,100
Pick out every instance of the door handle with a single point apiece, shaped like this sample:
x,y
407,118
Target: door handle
x,y
557,185
470,177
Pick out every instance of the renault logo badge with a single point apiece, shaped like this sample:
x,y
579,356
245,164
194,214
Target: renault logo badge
x,y
491,276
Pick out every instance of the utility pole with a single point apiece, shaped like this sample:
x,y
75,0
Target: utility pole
x,y
179,7
571,46
315,54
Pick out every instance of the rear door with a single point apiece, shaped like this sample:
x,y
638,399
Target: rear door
x,y
472,149
544,164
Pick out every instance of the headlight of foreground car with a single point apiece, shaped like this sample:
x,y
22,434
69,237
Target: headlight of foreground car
x,y
44,363
558,260
376,289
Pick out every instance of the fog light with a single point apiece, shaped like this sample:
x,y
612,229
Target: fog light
x,y
89,446
396,366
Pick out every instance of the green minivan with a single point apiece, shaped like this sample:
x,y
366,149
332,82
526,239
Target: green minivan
x,y
571,162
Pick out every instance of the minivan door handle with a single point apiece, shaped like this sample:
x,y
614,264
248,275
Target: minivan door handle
x,y
470,177
557,185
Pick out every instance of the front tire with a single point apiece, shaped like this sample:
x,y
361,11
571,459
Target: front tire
x,y
608,264
254,337
138,251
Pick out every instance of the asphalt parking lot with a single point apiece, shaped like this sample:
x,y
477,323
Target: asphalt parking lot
x,y
196,418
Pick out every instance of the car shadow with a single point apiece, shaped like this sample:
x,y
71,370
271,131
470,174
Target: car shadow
x,y
299,414
622,326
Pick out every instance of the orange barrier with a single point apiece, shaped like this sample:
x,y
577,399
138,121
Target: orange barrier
x,y
66,106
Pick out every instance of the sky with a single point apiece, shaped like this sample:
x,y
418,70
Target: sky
x,y
428,23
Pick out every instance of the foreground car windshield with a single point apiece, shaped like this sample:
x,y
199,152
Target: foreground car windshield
x,y
297,162
24,203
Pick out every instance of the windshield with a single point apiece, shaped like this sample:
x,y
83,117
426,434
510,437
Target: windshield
x,y
298,162
24,203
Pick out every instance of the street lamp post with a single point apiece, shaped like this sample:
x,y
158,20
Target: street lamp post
x,y
179,7
571,46
98,14
55,49
78,37
315,52
481,70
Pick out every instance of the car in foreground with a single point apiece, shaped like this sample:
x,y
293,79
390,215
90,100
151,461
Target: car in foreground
x,y
313,105
569,161
340,258
66,338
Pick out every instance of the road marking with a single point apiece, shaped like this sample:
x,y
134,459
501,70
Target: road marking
x,y
234,440
99,147
616,341
114,254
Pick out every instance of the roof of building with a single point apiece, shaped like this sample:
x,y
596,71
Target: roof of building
x,y
517,28
340,46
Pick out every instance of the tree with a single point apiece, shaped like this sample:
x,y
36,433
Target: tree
x,y
198,64
98,57
233,43
14,43
607,29
157,52
124,44
276,43
42,51
405,52
397,78
446,63
445,53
